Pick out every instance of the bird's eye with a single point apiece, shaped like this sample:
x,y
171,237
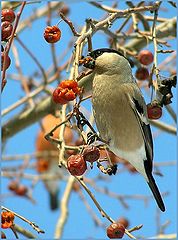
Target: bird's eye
x,y
95,54
98,53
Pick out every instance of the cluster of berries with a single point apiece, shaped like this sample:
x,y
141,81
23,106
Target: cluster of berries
x,y
7,18
145,57
66,91
77,165
17,188
7,219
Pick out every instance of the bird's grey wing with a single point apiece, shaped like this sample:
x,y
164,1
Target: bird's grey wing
x,y
87,82
139,107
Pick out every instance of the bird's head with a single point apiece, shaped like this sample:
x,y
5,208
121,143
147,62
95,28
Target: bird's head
x,y
107,60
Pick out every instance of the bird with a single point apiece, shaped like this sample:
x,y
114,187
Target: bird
x,y
49,165
120,113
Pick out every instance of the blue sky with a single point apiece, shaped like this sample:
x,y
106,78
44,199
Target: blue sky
x,y
79,224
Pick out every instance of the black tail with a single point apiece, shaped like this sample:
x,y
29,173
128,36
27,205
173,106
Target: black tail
x,y
155,191
53,197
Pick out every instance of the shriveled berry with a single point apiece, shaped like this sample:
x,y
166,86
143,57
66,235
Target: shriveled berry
x,y
91,154
8,61
154,110
21,190
7,15
145,57
13,185
6,30
142,73
76,165
123,221
115,230
52,34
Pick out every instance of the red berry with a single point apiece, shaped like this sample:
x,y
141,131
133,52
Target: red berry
x,y
7,15
76,165
13,185
21,190
115,230
123,221
6,30
52,34
145,57
8,61
154,110
142,73
91,154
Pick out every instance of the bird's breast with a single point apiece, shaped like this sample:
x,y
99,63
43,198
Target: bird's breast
x,y
115,119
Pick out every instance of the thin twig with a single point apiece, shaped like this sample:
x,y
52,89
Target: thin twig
x,y
34,59
70,24
90,210
53,51
112,18
25,99
23,81
135,228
